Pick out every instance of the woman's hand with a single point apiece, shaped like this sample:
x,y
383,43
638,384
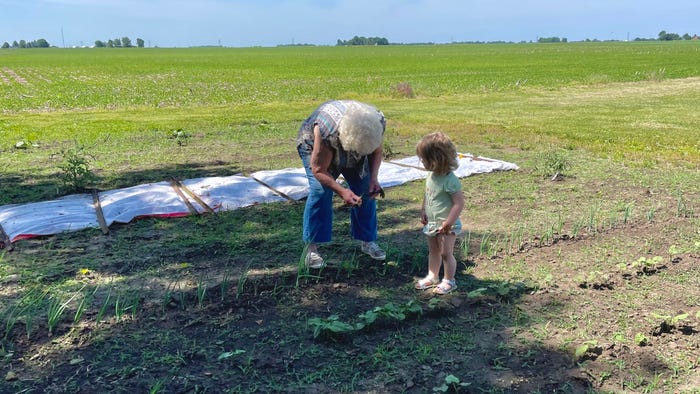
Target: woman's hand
x,y
350,198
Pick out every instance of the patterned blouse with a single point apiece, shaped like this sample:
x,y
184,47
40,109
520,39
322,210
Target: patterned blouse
x,y
327,116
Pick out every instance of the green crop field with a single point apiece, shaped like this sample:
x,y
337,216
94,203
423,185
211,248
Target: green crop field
x,y
585,282
109,99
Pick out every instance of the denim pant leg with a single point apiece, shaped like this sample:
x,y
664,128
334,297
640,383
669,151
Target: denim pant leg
x,y
363,218
318,214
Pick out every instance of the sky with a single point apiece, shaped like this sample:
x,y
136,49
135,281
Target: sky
x,y
246,23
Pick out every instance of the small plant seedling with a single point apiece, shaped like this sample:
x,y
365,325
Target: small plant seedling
x,y
643,265
452,383
332,324
225,355
668,322
596,280
389,312
586,348
641,339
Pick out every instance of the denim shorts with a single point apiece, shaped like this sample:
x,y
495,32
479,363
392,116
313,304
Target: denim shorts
x,y
431,229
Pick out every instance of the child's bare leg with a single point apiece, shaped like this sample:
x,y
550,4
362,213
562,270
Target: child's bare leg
x,y
434,257
448,257
448,284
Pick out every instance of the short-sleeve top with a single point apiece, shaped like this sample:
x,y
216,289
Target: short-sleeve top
x,y
327,116
438,196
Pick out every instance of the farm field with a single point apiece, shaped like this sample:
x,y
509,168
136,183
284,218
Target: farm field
x,y
583,283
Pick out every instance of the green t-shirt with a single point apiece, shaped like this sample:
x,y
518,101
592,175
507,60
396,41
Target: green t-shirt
x,y
438,200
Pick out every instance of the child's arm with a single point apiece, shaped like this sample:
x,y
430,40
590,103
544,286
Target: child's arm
x,y
423,216
457,206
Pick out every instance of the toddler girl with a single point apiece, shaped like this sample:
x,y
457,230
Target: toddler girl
x,y
442,203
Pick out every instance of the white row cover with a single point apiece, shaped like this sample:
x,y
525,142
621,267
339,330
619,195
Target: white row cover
x,y
77,212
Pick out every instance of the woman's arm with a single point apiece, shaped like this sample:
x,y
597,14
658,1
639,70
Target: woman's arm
x,y
375,161
321,159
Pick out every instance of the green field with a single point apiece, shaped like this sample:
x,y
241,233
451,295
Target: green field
x,y
585,284
136,98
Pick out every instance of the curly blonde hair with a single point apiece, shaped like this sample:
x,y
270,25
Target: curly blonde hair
x,y
360,129
438,153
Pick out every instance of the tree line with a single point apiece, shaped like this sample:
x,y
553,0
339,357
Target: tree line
x,y
363,41
40,43
663,36
124,42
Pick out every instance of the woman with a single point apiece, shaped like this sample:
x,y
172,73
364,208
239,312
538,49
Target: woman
x,y
341,137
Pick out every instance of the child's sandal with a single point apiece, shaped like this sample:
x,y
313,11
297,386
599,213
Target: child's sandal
x,y
426,283
445,287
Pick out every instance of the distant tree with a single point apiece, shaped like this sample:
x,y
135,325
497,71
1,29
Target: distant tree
x,y
117,42
364,41
40,43
15,44
22,44
5,45
126,42
139,43
110,44
687,36
663,36
100,44
550,39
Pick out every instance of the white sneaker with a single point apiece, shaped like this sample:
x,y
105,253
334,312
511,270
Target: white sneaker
x,y
373,250
314,260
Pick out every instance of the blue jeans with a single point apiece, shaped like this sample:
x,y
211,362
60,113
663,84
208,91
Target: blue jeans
x,y
318,214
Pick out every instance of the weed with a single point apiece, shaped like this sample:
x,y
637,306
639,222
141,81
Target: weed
x,y
180,136
157,387
682,209
77,173
404,90
201,291
554,164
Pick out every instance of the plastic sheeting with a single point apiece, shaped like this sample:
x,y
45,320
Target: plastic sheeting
x,y
70,213
195,196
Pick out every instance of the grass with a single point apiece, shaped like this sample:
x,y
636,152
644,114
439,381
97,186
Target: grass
x,y
559,281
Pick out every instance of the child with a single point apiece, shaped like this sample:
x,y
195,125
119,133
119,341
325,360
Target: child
x,y
442,203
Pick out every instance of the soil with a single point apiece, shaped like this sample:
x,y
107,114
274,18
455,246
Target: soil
x,y
504,330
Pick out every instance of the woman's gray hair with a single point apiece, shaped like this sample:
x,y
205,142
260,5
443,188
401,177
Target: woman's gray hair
x,y
360,128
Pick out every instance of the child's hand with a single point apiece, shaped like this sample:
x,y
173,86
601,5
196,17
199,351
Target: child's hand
x,y
446,228
423,218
